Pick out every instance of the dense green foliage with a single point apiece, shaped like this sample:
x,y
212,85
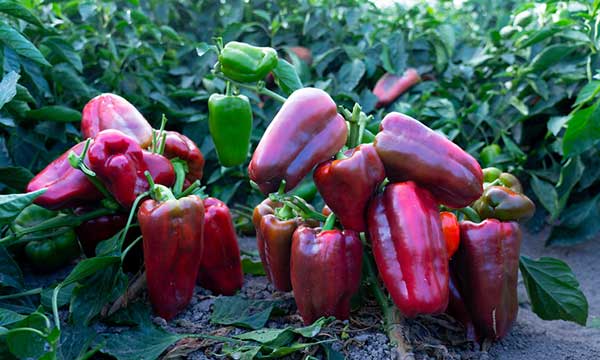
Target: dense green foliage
x,y
522,76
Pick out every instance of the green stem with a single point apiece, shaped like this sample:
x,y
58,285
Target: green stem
x,y
21,294
179,177
26,329
137,240
263,91
190,189
329,222
130,217
470,214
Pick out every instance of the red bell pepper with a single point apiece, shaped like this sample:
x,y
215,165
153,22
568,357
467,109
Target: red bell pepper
x,y
160,168
221,267
409,248
486,267
173,244
390,86
326,270
110,111
306,131
411,151
65,186
180,146
347,184
457,307
451,231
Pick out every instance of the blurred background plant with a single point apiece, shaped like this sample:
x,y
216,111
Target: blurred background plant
x,y
519,74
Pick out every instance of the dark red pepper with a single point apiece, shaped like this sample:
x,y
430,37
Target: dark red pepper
x,y
486,267
390,86
180,146
326,270
221,266
160,168
410,150
65,186
409,248
306,131
458,309
347,184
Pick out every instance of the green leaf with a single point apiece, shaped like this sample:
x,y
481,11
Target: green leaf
x,y
570,174
550,56
286,77
252,267
10,273
553,290
8,87
588,92
350,74
519,105
27,344
140,342
64,51
315,328
12,204
578,223
55,113
64,296
8,317
12,38
268,336
89,267
234,310
74,341
15,177
547,195
583,131
14,8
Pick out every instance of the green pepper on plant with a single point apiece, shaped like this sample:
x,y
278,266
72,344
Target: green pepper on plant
x,y
247,63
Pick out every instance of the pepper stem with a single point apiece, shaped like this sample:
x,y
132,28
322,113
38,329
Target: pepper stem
x,y
261,90
357,121
180,168
470,214
195,185
158,192
77,162
329,222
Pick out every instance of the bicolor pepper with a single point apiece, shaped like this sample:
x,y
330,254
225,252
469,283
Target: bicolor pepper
x,y
411,151
492,175
56,249
409,248
390,86
451,230
348,184
221,267
274,242
247,63
306,131
180,146
110,111
502,203
326,269
66,186
172,231
486,267
230,125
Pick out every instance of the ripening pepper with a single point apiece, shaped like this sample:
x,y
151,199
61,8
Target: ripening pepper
x,y
492,175
390,86
221,267
348,184
56,249
247,63
180,146
487,264
173,243
274,242
230,125
306,131
451,231
110,111
65,186
411,151
502,203
326,271
409,248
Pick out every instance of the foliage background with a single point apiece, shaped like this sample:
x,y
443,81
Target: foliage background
x,y
521,74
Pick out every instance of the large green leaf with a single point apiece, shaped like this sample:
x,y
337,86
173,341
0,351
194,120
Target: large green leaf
x,y
8,87
235,310
287,77
583,130
553,290
14,8
12,38
12,204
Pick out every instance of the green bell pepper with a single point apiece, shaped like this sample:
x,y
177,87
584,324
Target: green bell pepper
x,y
489,153
495,176
230,125
246,63
48,251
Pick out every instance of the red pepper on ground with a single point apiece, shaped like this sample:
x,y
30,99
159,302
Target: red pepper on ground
x,y
347,184
409,248
326,269
306,131
110,111
451,231
173,244
221,266
390,86
411,151
486,267
180,146
65,186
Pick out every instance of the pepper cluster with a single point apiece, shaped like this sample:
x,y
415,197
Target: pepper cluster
x,y
429,261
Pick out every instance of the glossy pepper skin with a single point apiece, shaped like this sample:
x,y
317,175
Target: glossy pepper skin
x,y
487,264
230,125
173,244
53,252
457,307
409,248
221,267
497,176
65,186
160,168
110,111
451,230
502,203
180,146
326,270
390,86
247,63
274,242
306,131
348,184
410,150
